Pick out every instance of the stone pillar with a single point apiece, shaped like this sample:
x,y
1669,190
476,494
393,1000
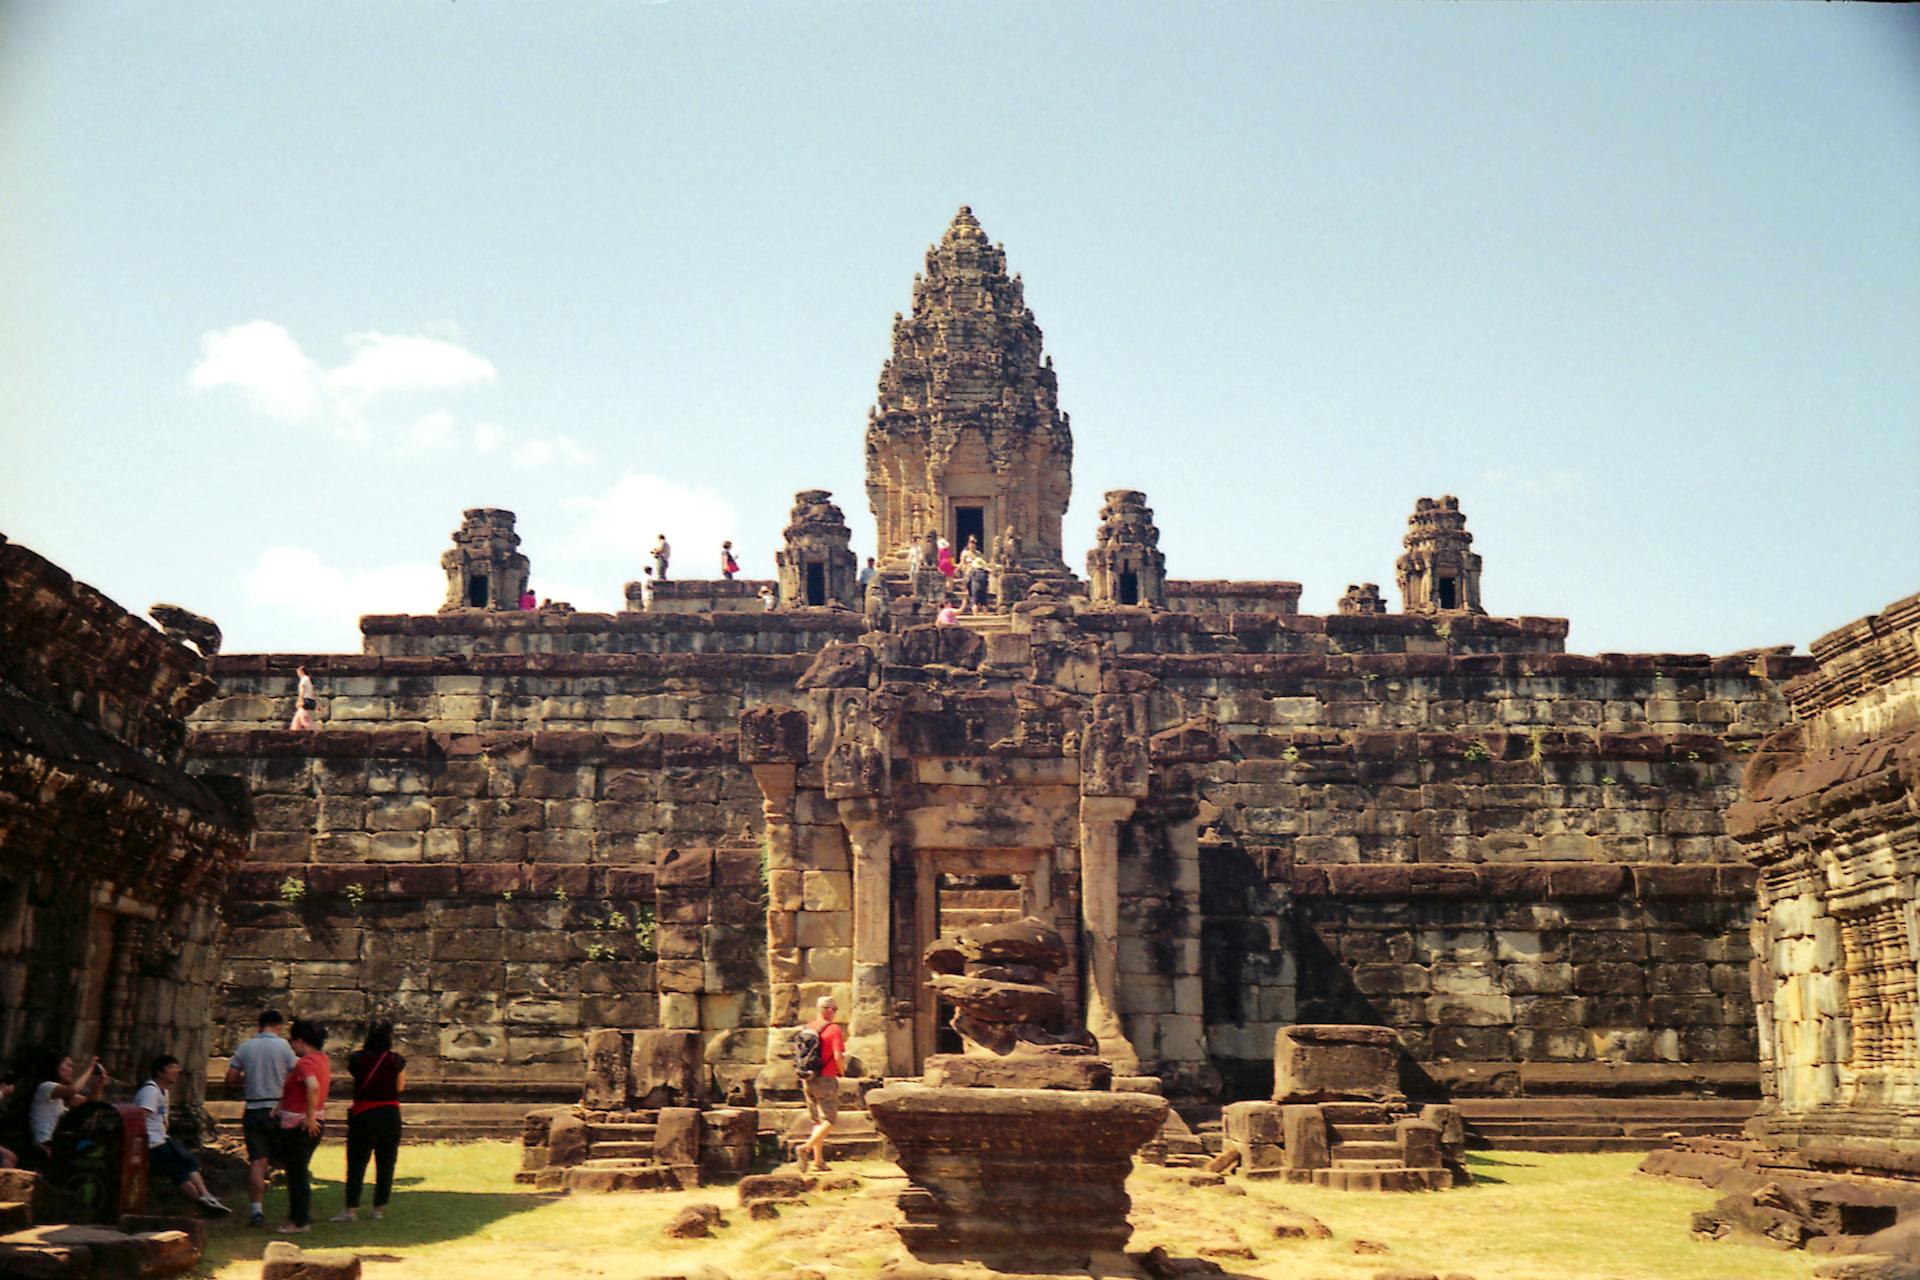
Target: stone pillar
x,y
871,844
1100,819
484,567
783,891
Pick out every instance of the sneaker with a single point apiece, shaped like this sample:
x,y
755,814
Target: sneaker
x,y
257,1218
288,1229
346,1215
214,1208
379,1214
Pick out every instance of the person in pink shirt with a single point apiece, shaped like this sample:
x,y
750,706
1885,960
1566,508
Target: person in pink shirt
x,y
302,1109
305,704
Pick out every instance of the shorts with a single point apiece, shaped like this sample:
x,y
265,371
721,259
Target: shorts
x,y
172,1161
257,1125
823,1099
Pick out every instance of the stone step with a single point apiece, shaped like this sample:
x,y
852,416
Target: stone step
x,y
1501,1131
785,1120
621,1150
622,1132
1354,1112
1606,1108
1366,1151
422,1121
1400,1179
1567,1145
1367,1162
621,1175
1361,1133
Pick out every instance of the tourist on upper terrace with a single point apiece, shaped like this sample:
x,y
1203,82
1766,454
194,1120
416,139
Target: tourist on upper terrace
x,y
818,1061
944,552
977,583
57,1089
728,565
916,558
866,574
949,615
373,1121
298,1117
661,554
305,704
166,1156
767,599
259,1069
527,599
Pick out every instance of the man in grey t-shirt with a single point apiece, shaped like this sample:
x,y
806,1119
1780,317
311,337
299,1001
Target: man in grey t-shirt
x,y
260,1066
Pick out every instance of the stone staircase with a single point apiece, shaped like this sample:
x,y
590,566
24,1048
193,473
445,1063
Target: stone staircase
x,y
854,1136
1365,1151
1563,1124
987,623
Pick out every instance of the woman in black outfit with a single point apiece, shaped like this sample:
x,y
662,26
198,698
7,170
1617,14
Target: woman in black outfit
x,y
373,1122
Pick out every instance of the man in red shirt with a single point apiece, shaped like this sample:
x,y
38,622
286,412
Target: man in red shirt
x,y
823,1090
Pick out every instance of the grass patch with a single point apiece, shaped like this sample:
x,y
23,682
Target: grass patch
x,y
457,1215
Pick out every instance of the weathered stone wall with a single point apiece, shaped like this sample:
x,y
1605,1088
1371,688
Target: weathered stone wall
x,y
1831,819
114,859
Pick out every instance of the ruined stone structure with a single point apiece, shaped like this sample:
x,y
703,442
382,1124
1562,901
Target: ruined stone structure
x,y
1125,565
817,566
1437,573
485,569
1831,820
1362,597
114,860
514,828
967,438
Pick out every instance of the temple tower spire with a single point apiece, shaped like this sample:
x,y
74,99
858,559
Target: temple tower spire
x,y
966,437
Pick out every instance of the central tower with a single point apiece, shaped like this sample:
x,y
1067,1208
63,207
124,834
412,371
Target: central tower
x,y
967,438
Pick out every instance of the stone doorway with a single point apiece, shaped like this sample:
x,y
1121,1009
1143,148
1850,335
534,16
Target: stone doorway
x,y
969,522
816,584
961,887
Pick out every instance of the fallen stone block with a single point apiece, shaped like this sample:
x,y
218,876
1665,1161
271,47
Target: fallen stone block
x,y
1868,1266
774,1186
1300,1226
284,1261
763,1210
695,1222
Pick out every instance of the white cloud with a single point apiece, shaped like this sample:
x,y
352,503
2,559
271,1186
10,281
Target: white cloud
x,y
261,360
388,362
295,580
488,436
429,433
539,452
625,519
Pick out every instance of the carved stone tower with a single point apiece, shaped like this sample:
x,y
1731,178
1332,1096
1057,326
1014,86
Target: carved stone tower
x,y
1126,565
818,566
967,437
1362,597
485,569
1437,573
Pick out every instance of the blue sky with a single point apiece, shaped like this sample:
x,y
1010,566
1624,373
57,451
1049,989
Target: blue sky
x,y
290,286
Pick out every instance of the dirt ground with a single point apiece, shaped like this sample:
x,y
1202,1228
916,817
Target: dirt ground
x,y
457,1215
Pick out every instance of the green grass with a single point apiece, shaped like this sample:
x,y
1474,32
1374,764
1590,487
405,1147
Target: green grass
x,y
457,1215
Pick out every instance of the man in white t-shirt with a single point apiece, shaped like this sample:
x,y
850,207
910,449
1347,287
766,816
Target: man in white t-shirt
x,y
167,1156
261,1065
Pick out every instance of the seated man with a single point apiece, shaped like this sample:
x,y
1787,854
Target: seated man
x,y
168,1157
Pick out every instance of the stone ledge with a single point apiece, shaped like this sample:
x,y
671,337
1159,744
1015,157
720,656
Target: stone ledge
x,y
1525,881
633,750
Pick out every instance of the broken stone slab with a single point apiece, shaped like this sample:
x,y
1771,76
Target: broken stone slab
x,y
774,1186
608,1055
1304,1137
991,1001
665,1069
1019,1071
1289,1225
1251,1122
1333,1062
287,1261
569,1138
1026,941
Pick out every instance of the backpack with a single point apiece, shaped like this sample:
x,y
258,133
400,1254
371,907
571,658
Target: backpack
x,y
807,1058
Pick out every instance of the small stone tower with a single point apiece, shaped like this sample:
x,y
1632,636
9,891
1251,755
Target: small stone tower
x,y
1438,573
1362,597
966,438
818,566
1126,565
485,569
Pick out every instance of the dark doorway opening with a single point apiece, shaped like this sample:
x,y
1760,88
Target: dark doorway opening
x,y
969,522
477,591
1129,587
816,583
1449,597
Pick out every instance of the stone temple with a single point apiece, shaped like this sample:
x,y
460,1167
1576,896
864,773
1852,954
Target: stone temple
x,y
512,828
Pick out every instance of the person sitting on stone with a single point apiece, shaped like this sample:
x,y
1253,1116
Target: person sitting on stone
x,y
56,1090
168,1157
822,1085
767,599
949,615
